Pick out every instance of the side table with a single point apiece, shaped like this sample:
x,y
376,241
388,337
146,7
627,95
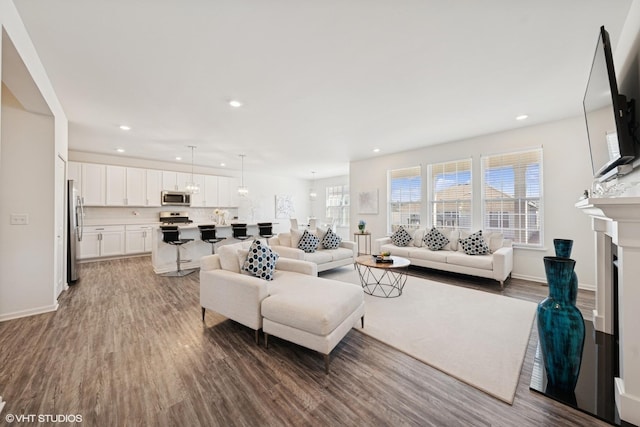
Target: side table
x,y
367,242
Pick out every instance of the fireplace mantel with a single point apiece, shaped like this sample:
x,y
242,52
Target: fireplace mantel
x,y
616,220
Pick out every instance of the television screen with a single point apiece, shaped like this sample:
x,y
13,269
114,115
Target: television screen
x,y
605,112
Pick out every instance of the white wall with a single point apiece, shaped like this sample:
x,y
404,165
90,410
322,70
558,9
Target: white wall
x,y
567,173
29,146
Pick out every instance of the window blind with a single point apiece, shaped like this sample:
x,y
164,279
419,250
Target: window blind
x,y
405,197
450,195
512,196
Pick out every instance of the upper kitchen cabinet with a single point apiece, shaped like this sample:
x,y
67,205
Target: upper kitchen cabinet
x,y
93,178
116,186
143,187
198,199
175,181
210,191
74,172
228,191
154,187
136,187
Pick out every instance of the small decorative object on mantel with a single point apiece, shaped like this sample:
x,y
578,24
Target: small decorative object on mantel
x,y
361,226
560,323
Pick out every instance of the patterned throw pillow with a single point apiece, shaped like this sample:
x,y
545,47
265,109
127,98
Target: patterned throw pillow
x,y
308,242
401,237
261,261
331,240
435,240
474,244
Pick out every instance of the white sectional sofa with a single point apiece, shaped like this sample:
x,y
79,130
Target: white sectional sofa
x,y
285,244
296,305
496,265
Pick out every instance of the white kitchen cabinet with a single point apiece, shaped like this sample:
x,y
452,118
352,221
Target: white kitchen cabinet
x,y
136,186
175,181
116,186
101,241
143,187
154,187
228,191
210,191
89,246
93,184
197,199
74,172
138,238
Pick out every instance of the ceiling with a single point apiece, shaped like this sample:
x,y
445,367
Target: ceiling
x,y
322,83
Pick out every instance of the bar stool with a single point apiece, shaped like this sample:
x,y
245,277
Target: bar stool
x,y
208,234
265,229
171,236
240,231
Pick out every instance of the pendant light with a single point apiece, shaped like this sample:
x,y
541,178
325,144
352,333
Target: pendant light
x,y
191,187
242,190
312,191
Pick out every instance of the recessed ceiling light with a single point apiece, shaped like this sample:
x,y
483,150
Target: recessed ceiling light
x,y
178,158
376,150
120,150
125,127
522,117
235,103
223,164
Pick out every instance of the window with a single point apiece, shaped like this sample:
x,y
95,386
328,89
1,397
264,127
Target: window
x,y
405,197
512,196
337,205
450,194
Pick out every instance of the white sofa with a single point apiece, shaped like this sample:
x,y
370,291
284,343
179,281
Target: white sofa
x,y
296,305
497,265
285,244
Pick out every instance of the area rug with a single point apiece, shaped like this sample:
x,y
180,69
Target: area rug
x,y
474,336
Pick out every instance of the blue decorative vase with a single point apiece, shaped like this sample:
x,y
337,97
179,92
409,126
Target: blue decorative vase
x,y
563,249
560,326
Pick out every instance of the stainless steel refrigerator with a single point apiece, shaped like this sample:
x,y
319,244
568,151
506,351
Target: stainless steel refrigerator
x,y
75,223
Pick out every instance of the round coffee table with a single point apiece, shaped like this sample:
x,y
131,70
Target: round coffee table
x,y
382,279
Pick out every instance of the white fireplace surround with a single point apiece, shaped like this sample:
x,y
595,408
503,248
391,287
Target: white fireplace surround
x,y
617,220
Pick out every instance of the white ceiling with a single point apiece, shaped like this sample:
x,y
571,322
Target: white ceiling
x,y
323,82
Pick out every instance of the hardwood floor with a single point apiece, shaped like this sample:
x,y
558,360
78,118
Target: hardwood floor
x,y
127,347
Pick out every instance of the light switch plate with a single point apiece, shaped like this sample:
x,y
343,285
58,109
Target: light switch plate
x,y
19,219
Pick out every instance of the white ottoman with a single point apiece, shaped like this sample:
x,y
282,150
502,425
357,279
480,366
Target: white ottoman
x,y
316,313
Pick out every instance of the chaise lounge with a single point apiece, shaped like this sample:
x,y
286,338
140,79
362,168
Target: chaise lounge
x,y
296,306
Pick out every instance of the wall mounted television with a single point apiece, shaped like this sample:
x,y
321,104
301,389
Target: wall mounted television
x,y
609,116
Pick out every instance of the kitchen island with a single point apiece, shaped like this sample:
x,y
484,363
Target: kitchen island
x,y
163,255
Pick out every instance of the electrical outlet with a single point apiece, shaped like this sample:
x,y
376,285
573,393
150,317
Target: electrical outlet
x,y
19,219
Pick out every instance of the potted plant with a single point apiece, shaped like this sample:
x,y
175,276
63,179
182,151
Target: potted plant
x,y
361,225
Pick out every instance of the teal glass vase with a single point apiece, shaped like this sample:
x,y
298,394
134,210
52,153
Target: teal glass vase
x,y
563,249
560,326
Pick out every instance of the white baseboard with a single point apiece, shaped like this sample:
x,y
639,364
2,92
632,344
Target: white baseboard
x,y
583,286
29,312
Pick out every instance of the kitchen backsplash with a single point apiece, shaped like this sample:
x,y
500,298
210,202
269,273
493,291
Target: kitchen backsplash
x,y
139,215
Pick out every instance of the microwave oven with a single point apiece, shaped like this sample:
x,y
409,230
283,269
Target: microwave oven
x,y
175,198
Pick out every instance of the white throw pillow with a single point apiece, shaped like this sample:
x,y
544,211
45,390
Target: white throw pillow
x,y
494,239
285,239
229,258
453,236
418,235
